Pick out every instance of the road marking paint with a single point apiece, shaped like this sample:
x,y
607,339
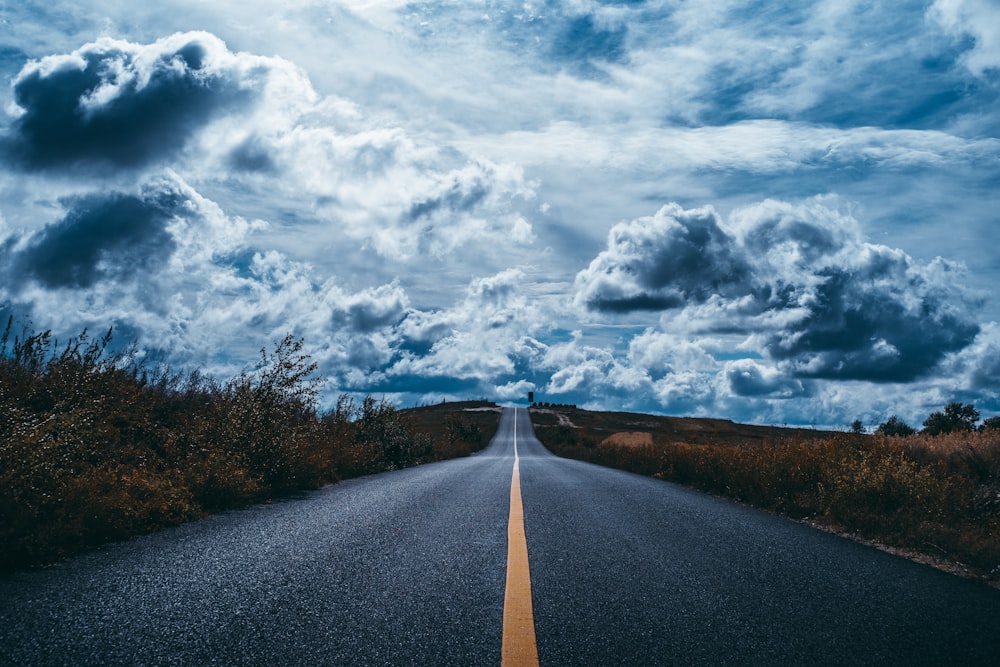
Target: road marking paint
x,y
519,647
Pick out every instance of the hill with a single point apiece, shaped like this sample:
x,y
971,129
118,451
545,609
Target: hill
x,y
692,430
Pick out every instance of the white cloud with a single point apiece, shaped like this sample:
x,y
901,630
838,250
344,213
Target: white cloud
x,y
117,104
755,146
372,184
660,353
514,391
976,368
796,279
978,18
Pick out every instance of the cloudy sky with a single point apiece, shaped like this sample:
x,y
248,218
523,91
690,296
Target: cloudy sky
x,y
773,212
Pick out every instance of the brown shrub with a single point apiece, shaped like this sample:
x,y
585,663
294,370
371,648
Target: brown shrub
x,y
936,494
93,447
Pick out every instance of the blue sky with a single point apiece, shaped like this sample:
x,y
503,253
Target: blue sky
x,y
773,212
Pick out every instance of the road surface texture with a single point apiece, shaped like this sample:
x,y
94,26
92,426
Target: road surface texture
x,y
409,568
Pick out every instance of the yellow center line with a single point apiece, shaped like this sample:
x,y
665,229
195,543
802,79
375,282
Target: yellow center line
x,y
519,646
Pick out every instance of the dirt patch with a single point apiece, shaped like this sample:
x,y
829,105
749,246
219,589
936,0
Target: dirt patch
x,y
561,417
629,439
564,420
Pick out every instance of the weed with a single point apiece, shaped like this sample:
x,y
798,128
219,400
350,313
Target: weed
x,y
937,494
95,447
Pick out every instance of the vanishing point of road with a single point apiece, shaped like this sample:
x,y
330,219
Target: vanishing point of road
x,y
510,555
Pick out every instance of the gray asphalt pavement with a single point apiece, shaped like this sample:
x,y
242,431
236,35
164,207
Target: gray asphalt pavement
x,y
408,568
628,570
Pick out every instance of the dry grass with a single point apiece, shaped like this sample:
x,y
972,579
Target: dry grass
x,y
93,447
628,439
936,495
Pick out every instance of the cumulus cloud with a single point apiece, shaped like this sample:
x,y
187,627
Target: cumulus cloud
x,y
440,211
460,191
171,268
882,318
660,371
747,377
514,391
372,309
124,104
313,165
401,198
664,261
799,280
109,236
581,368
486,335
121,235
152,262
975,370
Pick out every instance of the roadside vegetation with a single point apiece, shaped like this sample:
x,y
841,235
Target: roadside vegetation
x,y
936,492
96,447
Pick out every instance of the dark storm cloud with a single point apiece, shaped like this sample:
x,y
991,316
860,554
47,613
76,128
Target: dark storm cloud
x,y
878,319
372,309
748,378
671,259
610,301
823,303
108,236
122,104
251,155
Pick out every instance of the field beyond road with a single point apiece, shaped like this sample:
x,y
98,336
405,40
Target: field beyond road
x,y
935,499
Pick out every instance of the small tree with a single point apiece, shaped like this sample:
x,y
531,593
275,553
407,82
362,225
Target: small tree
x,y
895,426
857,426
269,414
955,418
990,424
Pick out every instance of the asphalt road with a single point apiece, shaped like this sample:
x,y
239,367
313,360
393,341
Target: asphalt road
x,y
409,567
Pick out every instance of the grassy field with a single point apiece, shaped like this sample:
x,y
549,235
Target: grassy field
x,y
934,498
457,428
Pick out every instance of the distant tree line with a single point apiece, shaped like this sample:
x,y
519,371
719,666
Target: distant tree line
x,y
955,418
